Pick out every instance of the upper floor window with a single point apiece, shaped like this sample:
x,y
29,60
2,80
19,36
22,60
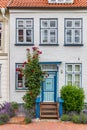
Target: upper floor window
x,y
25,30
48,31
73,74
0,33
73,31
20,81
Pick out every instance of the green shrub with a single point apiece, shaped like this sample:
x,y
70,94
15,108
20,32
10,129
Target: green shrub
x,y
4,118
73,98
83,118
14,105
65,117
28,120
76,119
2,123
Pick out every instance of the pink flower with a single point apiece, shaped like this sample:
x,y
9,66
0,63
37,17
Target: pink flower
x,y
25,63
17,69
39,52
20,74
27,49
34,48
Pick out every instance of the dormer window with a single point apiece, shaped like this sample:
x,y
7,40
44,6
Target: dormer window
x,y
61,1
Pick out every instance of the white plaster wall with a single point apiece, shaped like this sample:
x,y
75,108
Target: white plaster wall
x,y
50,53
4,61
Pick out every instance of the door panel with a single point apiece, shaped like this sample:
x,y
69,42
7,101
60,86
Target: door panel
x,y
49,86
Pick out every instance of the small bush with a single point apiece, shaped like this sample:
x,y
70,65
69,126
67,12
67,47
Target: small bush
x,y
28,120
73,98
14,105
76,118
83,118
4,118
65,117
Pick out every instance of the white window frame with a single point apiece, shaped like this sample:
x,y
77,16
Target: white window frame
x,y
73,73
19,65
49,29
25,28
73,28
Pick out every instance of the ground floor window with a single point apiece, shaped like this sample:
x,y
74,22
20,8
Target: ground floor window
x,y
19,79
73,74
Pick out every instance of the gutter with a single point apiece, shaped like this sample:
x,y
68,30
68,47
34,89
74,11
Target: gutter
x,y
3,13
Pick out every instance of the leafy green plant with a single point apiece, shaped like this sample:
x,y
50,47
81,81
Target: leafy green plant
x,y
73,98
4,118
76,118
14,105
33,75
65,117
27,120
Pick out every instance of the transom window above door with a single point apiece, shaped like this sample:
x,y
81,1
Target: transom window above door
x,y
24,31
73,31
48,31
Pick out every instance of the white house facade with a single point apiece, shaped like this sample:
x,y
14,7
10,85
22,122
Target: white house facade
x,y
60,33
4,55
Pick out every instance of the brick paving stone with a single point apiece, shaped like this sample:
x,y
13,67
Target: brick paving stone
x,y
45,125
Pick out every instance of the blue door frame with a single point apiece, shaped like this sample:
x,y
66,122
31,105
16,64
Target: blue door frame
x,y
51,92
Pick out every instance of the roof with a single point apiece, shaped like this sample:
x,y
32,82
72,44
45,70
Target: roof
x,y
3,3
44,4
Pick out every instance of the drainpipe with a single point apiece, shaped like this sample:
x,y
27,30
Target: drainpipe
x,y
3,13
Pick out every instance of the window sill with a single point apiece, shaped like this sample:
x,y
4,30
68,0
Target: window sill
x,y
24,44
20,90
73,44
48,44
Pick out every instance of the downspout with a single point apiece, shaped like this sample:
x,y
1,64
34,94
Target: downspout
x,y
3,13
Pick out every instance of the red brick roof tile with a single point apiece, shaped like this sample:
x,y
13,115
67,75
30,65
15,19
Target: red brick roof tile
x,y
3,3
44,3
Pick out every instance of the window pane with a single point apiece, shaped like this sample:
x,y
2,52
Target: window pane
x,y
77,83
28,36
44,24
0,26
69,24
77,68
77,77
52,36
69,36
20,36
29,24
44,36
69,68
52,23
69,77
20,24
77,36
77,23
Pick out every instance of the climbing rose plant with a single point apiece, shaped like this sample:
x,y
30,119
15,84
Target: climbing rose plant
x,y
33,76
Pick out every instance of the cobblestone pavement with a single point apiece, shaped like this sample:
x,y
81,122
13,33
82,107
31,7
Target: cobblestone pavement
x,y
45,125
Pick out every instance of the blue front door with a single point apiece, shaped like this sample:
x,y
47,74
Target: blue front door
x,y
49,88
